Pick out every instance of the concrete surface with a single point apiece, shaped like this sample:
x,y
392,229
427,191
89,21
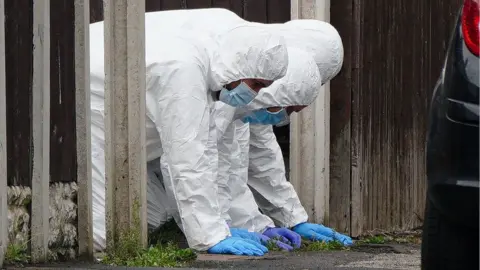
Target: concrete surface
x,y
367,257
125,99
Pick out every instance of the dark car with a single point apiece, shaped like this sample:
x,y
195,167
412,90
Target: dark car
x,y
451,231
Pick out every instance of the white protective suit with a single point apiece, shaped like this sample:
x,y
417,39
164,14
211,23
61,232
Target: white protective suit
x,y
254,151
184,68
283,205
302,79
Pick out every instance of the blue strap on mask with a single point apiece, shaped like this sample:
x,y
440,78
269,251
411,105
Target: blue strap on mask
x,y
264,117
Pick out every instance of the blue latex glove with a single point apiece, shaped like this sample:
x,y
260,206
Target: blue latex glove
x,y
284,235
259,238
238,246
317,232
245,234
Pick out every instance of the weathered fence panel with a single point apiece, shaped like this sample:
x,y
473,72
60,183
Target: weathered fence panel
x,y
60,139
39,232
62,92
394,54
340,102
40,72
3,142
271,11
125,110
83,129
19,67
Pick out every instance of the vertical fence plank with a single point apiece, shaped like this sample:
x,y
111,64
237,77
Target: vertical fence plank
x,y
96,10
125,120
3,140
309,135
355,20
192,4
41,130
19,67
62,92
82,111
236,6
278,11
171,4
153,5
255,11
340,126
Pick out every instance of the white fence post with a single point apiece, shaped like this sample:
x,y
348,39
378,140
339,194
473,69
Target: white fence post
x,y
41,130
310,134
3,140
83,120
125,165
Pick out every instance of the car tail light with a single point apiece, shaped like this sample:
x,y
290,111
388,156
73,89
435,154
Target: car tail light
x,y
471,25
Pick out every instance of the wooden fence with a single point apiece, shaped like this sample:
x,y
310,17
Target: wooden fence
x,y
19,62
41,136
393,54
394,51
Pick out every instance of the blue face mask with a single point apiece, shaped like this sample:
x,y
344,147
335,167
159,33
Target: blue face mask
x,y
264,117
238,96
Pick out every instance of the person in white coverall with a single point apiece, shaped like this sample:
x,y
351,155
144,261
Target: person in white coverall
x,y
323,42
154,147
255,154
184,70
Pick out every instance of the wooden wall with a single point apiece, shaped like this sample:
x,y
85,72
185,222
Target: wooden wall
x,y
19,62
394,52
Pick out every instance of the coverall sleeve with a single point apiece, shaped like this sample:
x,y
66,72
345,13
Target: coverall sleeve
x,y
225,144
243,210
183,120
223,117
274,194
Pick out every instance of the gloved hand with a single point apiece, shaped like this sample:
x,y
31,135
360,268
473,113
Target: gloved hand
x,y
259,238
317,232
238,246
284,235
265,240
245,234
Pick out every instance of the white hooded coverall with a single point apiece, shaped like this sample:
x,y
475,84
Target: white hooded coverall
x,y
183,69
313,37
252,151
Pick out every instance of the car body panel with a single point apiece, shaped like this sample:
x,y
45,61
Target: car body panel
x,y
453,135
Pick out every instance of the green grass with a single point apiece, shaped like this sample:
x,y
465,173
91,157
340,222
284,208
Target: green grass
x,y
376,239
16,255
390,238
159,255
162,254
308,245
272,246
168,232
129,252
321,246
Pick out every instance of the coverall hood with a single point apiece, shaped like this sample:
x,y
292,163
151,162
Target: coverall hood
x,y
320,39
300,86
248,52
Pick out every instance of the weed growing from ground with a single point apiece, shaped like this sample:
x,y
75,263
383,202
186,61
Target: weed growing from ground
x,y
321,246
160,256
16,255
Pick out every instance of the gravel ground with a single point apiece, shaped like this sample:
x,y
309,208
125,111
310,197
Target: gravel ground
x,y
364,257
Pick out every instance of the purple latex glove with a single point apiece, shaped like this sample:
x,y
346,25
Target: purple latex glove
x,y
258,238
265,240
284,235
